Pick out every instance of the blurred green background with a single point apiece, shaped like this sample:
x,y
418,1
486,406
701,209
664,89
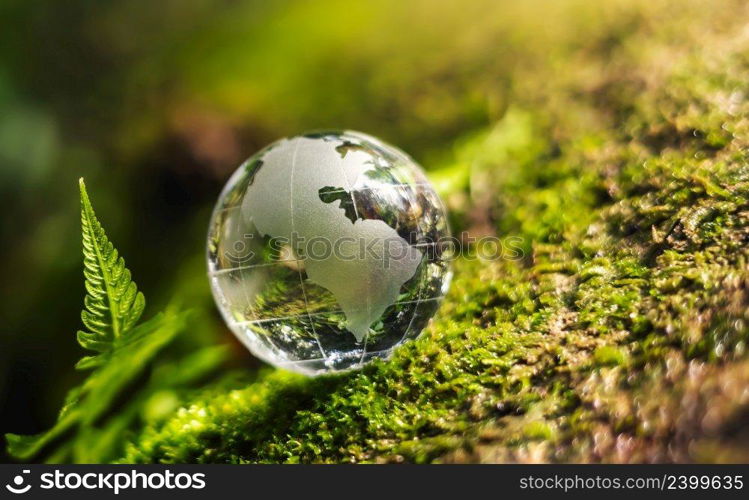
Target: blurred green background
x,y
156,103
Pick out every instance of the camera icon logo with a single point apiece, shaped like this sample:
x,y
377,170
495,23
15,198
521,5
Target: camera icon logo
x,y
16,485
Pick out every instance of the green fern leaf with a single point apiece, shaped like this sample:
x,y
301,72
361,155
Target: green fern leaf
x,y
87,428
113,304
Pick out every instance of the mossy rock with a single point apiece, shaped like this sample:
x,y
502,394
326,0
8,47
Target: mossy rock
x,y
619,335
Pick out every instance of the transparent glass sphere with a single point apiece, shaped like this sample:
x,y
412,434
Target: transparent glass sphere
x,y
328,250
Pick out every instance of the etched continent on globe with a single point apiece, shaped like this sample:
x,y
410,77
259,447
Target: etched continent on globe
x,y
325,251
284,201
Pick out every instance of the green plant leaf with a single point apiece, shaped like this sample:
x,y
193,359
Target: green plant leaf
x,y
113,304
87,427
88,403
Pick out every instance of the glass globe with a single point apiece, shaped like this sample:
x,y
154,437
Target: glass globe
x,y
328,250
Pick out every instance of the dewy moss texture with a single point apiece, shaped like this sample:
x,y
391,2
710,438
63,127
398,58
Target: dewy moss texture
x,y
621,335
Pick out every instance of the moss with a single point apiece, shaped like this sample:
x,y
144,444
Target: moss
x,y
609,355
538,430
619,335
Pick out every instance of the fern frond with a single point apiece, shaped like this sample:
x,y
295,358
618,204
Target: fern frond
x,y
113,304
87,429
